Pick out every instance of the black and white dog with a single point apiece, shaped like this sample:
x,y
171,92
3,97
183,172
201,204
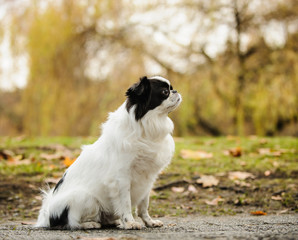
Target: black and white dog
x,y
117,172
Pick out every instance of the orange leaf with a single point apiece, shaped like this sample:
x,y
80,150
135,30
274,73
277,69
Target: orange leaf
x,y
258,213
67,161
235,152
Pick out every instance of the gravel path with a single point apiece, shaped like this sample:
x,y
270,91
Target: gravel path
x,y
191,227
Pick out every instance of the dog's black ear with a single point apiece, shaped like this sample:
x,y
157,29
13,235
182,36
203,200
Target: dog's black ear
x,y
139,95
139,88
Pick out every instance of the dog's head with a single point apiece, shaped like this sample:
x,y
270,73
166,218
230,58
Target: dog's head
x,y
152,94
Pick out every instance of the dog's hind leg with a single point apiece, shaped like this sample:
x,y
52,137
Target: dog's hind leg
x,y
73,210
92,220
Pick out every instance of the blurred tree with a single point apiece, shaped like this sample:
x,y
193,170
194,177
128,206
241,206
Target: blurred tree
x,y
60,97
236,77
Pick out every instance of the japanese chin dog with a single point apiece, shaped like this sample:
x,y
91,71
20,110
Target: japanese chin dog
x,y
116,173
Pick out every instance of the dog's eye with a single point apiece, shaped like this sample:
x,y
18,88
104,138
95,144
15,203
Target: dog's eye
x,y
165,92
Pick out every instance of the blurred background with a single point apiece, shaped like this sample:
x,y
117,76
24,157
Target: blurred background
x,y
65,64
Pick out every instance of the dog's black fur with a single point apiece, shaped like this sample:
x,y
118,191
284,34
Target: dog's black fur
x,y
147,94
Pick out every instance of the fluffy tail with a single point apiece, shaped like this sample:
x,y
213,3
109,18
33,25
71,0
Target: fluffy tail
x,y
44,215
50,219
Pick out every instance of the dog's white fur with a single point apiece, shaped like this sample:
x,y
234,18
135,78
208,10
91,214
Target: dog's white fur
x,y
117,172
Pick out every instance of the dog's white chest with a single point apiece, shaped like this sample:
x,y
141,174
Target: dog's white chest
x,y
147,165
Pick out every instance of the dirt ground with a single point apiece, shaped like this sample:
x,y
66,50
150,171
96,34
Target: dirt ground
x,y
20,202
19,199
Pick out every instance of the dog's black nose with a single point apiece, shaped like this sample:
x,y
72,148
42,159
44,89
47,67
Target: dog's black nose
x,y
174,91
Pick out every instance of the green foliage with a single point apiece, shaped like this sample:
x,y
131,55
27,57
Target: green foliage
x,y
241,91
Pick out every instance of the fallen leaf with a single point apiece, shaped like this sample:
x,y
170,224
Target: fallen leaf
x,y
215,201
258,213
208,181
235,152
6,155
267,173
17,160
192,188
190,154
242,183
67,161
270,152
283,211
51,157
177,189
264,151
60,152
240,175
276,198
277,153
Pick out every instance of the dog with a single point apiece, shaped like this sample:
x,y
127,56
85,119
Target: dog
x,y
116,173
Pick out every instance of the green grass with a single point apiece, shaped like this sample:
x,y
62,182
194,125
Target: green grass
x,y
250,160
32,148
281,162
14,142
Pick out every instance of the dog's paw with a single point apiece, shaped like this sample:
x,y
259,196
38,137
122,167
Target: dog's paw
x,y
131,225
90,225
154,223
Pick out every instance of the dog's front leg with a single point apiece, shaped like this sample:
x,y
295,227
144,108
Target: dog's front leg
x,y
122,205
144,215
